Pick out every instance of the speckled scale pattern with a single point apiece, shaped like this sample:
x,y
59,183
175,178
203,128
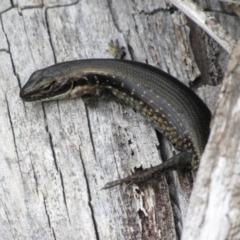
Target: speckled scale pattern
x,y
175,111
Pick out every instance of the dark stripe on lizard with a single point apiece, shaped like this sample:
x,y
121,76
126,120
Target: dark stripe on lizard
x,y
174,109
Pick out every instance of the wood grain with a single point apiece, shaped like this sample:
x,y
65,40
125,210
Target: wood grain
x,y
56,156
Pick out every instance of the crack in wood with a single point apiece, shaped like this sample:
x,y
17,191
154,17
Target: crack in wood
x,y
95,223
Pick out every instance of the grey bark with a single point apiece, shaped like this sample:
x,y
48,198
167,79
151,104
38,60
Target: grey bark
x,y
214,206
56,156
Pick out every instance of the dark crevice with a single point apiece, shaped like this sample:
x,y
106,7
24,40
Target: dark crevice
x,y
7,9
90,197
171,10
194,85
45,118
48,218
90,131
131,52
173,195
85,175
49,35
132,152
53,151
55,161
160,147
4,50
33,6
59,111
50,139
54,235
41,5
64,196
64,5
12,128
35,178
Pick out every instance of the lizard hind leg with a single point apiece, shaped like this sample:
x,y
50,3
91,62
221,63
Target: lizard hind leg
x,y
182,160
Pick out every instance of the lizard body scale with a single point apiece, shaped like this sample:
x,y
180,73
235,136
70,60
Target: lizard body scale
x,y
173,109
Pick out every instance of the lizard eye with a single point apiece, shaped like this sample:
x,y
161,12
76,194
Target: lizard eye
x,y
47,88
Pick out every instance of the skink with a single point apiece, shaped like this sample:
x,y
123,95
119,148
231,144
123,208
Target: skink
x,y
173,109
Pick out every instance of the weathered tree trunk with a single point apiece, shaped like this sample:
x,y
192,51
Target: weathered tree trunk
x,y
55,157
214,208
